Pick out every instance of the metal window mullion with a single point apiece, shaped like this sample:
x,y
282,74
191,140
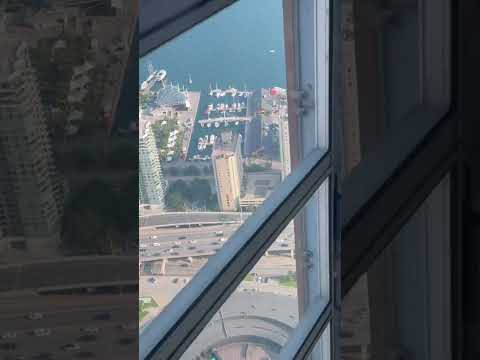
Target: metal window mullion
x,y
306,335
169,335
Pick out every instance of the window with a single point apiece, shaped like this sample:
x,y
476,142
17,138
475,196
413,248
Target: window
x,y
241,74
402,304
396,87
326,74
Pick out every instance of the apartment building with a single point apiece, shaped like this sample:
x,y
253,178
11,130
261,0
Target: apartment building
x,y
228,170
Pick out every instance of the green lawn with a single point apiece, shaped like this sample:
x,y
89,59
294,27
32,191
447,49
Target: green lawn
x,y
288,280
143,308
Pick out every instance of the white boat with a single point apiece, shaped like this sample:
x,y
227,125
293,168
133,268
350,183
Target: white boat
x,y
212,139
217,124
209,125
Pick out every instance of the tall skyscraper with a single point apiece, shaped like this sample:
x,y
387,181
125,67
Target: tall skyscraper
x,y
151,182
31,191
228,170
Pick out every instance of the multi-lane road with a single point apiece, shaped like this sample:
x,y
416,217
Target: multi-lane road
x,y
184,242
68,327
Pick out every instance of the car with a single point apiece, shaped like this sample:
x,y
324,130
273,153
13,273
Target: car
x,y
154,237
175,280
174,253
157,254
218,233
90,330
200,251
215,243
284,245
143,246
41,332
176,247
34,316
9,335
184,265
152,280
182,237
223,239
191,248
156,244
102,316
71,347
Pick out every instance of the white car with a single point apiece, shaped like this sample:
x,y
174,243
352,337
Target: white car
x,y
154,237
223,239
156,244
9,335
143,246
35,316
42,332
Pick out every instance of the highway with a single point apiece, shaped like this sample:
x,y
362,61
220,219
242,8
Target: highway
x,y
65,319
178,243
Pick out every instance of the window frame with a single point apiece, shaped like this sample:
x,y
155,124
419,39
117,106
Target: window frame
x,y
168,335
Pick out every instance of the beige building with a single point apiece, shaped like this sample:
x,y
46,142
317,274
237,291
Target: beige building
x,y
228,170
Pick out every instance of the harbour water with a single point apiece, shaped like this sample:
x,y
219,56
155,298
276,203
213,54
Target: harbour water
x,y
242,46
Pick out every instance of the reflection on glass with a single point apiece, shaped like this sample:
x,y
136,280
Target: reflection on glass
x,y
213,143
259,317
378,39
399,308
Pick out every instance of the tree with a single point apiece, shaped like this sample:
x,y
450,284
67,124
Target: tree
x,y
175,201
191,171
173,171
124,157
200,190
90,216
207,170
179,196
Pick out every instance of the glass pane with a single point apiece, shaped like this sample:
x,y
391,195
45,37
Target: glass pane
x,y
259,317
323,347
214,142
399,308
391,74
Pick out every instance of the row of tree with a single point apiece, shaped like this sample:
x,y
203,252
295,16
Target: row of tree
x,y
190,170
183,196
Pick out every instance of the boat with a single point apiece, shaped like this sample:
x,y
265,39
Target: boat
x,y
217,124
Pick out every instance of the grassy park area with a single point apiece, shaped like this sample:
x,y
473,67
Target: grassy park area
x,y
144,306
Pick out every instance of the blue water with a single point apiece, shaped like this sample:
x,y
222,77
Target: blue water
x,y
230,48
